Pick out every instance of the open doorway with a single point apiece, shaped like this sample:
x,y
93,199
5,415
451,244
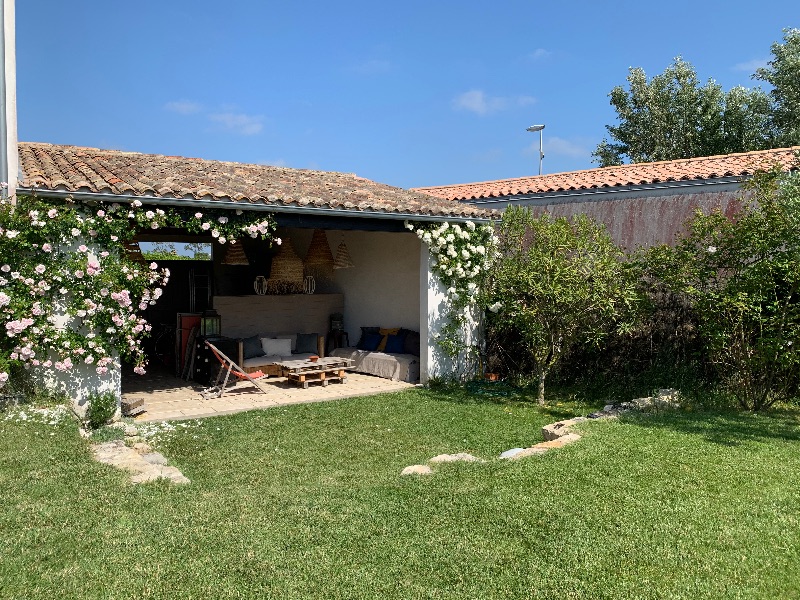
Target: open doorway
x,y
189,292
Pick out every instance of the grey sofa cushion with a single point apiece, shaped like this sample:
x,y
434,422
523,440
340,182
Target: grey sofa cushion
x,y
306,342
251,347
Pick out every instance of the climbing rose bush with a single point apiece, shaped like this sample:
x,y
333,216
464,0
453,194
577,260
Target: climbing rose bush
x,y
69,291
461,255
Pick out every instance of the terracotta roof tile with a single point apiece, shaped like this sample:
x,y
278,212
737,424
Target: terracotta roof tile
x,y
91,170
689,169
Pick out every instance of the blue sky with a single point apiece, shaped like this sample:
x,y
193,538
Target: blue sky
x,y
410,93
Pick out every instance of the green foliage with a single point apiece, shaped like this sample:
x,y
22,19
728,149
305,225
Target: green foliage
x,y
100,409
107,433
673,116
742,276
558,284
783,74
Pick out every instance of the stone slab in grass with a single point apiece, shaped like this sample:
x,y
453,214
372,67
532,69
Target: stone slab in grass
x,y
460,457
417,470
517,453
143,467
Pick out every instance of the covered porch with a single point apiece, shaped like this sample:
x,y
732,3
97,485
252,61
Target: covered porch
x,y
390,285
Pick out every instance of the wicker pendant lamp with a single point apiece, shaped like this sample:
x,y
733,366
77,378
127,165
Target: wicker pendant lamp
x,y
319,260
235,256
286,274
342,260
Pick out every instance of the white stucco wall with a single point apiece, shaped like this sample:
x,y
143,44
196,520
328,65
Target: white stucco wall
x,y
80,381
392,286
383,289
433,317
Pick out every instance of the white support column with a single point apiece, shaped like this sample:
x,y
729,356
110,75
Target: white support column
x,y
9,159
433,314
433,317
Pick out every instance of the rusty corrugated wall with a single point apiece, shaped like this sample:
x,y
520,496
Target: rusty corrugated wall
x,y
645,221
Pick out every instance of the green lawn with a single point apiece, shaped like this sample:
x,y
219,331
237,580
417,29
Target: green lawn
x,y
307,502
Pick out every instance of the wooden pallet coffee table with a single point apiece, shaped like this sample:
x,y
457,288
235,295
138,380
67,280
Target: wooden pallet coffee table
x,y
324,370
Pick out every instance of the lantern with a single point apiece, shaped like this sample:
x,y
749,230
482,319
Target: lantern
x,y
210,323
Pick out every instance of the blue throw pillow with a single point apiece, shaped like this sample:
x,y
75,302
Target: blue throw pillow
x,y
395,344
251,347
370,341
365,331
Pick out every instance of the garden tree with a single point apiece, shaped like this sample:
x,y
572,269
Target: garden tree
x,y
199,250
557,283
743,277
167,251
673,116
163,251
783,73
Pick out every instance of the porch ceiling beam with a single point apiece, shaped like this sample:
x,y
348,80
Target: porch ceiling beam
x,y
232,205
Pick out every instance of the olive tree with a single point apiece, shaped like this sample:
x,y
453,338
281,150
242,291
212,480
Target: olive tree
x,y
557,283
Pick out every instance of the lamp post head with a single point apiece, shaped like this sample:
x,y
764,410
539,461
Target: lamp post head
x,y
535,128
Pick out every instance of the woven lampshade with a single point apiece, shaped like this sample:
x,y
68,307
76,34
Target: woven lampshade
x,y
235,256
342,260
286,274
319,260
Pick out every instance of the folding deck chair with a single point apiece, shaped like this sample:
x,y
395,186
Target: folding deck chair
x,y
229,367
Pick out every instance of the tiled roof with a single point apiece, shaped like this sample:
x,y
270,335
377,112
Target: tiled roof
x,y
708,167
77,169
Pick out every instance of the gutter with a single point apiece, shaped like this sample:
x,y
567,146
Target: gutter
x,y
653,190
233,205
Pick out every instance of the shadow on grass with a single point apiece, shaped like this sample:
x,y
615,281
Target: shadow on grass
x,y
720,426
559,406
729,428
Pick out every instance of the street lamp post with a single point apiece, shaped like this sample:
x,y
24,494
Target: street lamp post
x,y
541,154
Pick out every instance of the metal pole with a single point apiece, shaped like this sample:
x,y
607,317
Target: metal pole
x,y
541,154
538,128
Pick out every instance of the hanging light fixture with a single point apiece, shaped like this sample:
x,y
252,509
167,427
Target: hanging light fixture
x,y
235,256
319,260
342,260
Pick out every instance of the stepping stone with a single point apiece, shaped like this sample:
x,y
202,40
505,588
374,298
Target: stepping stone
x,y
560,428
461,456
143,467
517,453
417,470
560,442
511,453
154,458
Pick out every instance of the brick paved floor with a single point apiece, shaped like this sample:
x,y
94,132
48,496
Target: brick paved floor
x,y
170,398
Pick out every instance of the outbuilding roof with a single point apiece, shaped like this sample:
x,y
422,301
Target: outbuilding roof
x,y
74,169
708,167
